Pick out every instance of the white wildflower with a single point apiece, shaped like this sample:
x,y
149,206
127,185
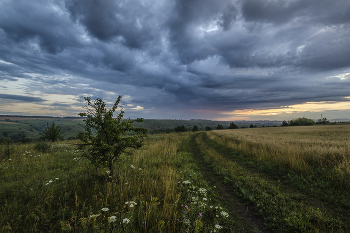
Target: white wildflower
x,y
126,220
217,226
202,190
94,215
224,214
108,172
186,182
112,219
204,199
104,209
140,169
57,178
131,204
132,166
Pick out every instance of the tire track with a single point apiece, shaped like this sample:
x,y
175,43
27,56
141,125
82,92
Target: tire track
x,y
242,208
285,187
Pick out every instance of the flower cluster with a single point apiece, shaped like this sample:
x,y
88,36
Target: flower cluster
x,y
199,200
112,219
131,203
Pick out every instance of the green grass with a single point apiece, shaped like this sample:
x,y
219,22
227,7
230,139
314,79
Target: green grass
x,y
163,187
59,191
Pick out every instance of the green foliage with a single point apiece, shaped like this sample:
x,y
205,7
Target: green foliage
x,y
208,128
195,128
181,128
233,126
301,122
285,123
105,137
323,121
220,126
52,132
42,146
6,148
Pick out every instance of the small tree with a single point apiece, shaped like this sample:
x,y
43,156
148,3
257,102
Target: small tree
x,y
220,126
195,128
181,128
52,132
285,123
233,126
105,137
323,121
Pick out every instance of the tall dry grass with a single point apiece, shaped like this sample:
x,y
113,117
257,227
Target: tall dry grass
x,y
59,191
299,148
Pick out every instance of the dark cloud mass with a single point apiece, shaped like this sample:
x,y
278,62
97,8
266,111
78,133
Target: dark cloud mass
x,y
21,98
172,58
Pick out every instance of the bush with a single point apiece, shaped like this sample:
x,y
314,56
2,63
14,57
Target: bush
x,y
301,122
52,132
180,129
106,138
42,146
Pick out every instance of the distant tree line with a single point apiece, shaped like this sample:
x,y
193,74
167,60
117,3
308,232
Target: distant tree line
x,y
305,122
195,128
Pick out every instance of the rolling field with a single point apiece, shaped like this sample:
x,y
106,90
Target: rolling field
x,y
292,179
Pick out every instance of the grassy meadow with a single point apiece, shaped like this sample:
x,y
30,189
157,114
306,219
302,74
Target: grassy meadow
x,y
156,189
276,179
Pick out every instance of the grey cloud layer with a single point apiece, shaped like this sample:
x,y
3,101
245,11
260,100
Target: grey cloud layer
x,y
198,54
21,98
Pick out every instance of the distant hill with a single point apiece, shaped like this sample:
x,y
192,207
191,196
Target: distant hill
x,y
28,128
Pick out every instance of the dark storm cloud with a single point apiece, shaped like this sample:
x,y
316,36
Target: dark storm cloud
x,y
107,20
38,21
197,54
21,98
308,11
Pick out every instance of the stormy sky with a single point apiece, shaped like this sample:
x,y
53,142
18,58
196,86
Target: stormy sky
x,y
177,59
